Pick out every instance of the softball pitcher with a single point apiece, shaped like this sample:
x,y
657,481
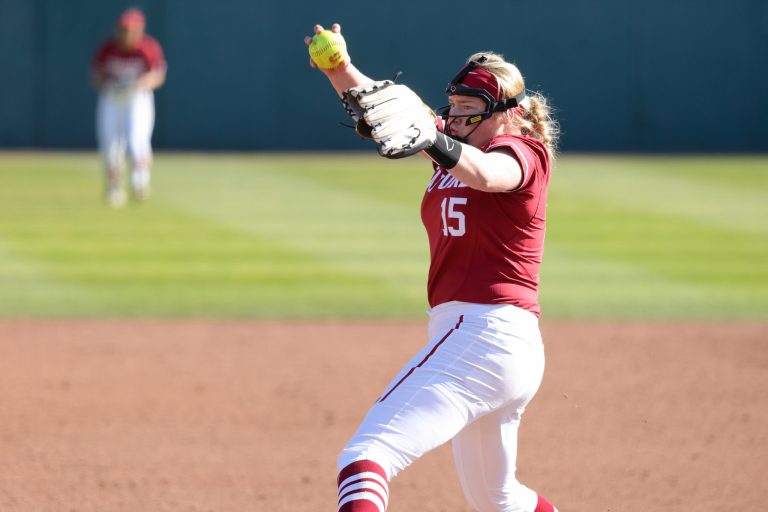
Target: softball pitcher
x,y
126,69
491,152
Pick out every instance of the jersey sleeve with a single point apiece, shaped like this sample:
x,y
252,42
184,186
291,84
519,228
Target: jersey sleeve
x,y
523,153
153,53
100,57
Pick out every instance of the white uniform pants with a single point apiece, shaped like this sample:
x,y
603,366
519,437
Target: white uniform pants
x,y
469,384
124,121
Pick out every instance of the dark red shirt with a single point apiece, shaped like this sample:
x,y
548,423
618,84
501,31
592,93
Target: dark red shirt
x,y
486,247
128,65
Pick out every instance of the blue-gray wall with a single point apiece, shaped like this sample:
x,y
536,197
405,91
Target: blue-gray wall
x,y
625,75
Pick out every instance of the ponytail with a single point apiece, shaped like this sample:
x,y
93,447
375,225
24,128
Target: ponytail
x,y
537,121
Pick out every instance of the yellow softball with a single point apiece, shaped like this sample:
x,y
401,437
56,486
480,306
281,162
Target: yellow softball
x,y
328,49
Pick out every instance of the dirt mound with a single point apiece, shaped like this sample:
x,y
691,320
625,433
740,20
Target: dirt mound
x,y
233,416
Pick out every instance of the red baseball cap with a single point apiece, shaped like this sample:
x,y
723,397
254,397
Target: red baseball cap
x,y
132,18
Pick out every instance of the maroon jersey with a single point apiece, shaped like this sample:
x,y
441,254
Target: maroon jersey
x,y
486,247
123,65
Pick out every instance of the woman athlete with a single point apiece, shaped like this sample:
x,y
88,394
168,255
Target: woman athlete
x,y
126,70
484,212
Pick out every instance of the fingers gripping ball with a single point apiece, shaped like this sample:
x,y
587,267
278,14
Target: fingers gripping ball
x,y
328,49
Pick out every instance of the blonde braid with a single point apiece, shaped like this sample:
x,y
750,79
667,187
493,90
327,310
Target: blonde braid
x,y
538,123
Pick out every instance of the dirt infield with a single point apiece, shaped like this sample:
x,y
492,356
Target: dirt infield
x,y
244,416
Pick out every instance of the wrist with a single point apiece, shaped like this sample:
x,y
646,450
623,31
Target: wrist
x,y
445,152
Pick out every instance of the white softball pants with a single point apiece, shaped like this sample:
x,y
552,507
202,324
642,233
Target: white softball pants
x,y
469,384
124,122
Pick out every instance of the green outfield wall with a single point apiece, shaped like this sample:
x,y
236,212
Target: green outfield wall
x,y
652,75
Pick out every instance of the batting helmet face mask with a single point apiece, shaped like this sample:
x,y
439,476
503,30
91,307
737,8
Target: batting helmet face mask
x,y
473,80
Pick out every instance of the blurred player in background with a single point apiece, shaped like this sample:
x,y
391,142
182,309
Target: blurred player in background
x,y
126,69
491,153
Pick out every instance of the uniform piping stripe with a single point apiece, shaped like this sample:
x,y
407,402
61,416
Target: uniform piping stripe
x,y
461,319
370,483
372,477
367,500
363,490
359,469
525,169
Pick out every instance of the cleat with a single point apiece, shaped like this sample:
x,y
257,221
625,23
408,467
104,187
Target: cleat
x,y
141,194
116,197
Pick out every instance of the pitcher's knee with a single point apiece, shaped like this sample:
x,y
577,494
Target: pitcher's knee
x,y
385,456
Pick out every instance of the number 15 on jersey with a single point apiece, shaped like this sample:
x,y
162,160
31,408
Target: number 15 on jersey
x,y
453,220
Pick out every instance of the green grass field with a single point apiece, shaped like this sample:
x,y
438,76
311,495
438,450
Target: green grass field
x,y
339,236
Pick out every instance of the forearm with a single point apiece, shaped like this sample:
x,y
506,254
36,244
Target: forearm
x,y
152,79
497,171
345,76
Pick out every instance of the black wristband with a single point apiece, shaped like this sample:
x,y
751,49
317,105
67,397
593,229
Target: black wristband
x,y
446,151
